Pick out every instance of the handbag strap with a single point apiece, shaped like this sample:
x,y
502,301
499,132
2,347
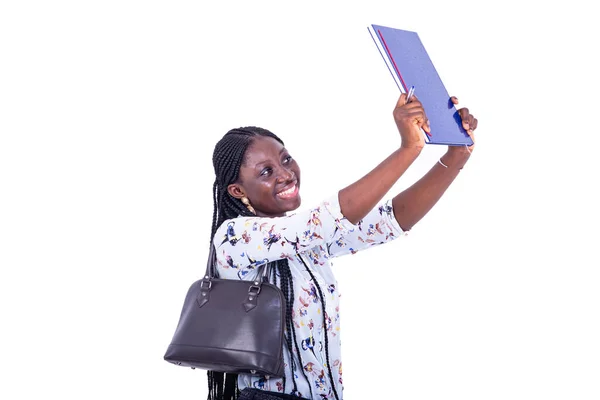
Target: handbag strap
x,y
211,273
211,267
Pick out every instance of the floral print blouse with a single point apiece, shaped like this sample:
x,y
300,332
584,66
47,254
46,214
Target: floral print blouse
x,y
317,235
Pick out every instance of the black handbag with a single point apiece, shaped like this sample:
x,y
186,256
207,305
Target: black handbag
x,y
231,326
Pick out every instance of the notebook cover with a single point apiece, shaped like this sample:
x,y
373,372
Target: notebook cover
x,y
413,67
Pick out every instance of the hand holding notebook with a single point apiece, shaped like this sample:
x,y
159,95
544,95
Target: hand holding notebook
x,y
411,120
410,65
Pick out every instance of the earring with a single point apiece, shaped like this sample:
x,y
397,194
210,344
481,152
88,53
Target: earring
x,y
247,204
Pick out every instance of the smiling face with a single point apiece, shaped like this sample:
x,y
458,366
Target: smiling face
x,y
269,177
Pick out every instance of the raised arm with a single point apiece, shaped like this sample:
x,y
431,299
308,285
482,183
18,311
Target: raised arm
x,y
360,197
413,203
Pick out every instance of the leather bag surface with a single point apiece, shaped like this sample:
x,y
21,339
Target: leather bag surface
x,y
232,326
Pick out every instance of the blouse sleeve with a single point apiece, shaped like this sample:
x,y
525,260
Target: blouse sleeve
x,y
377,227
242,244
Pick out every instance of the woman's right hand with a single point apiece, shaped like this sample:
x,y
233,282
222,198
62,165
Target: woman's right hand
x,y
410,118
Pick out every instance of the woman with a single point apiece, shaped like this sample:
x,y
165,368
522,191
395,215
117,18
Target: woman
x,y
257,185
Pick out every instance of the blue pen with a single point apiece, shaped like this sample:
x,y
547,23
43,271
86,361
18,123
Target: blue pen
x,y
411,91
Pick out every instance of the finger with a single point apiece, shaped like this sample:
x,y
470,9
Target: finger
x,y
414,102
417,117
408,111
426,126
411,107
470,121
416,113
413,98
454,100
423,124
401,100
471,147
464,116
471,134
421,121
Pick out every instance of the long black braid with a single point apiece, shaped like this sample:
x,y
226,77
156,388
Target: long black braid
x,y
228,157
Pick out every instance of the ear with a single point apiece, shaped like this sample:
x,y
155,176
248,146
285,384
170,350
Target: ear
x,y
236,190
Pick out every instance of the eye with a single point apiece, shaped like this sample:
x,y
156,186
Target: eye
x,y
266,171
287,159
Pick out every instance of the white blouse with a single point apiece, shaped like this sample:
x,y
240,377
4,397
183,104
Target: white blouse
x,y
318,234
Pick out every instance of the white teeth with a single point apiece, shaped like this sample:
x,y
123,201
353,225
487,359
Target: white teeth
x,y
287,192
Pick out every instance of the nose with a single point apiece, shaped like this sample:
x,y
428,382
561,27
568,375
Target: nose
x,y
285,175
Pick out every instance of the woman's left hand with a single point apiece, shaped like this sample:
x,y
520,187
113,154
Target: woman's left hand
x,y
469,123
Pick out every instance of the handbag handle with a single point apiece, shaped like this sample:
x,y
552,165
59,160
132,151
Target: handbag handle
x,y
211,267
211,270
211,273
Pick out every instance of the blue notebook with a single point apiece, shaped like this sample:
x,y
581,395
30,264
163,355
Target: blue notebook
x,y
410,65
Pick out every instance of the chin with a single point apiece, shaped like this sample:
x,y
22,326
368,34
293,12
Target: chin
x,y
289,204
296,204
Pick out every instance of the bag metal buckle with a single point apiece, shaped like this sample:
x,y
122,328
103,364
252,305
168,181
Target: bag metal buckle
x,y
203,296
252,299
205,288
256,286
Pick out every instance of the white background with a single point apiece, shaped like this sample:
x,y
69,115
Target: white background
x,y
109,112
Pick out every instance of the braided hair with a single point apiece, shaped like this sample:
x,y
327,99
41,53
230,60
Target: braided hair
x,y
228,157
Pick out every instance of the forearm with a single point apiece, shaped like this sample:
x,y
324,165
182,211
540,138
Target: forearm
x,y
363,195
415,202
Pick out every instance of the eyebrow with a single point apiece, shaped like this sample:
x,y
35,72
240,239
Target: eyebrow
x,y
283,150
